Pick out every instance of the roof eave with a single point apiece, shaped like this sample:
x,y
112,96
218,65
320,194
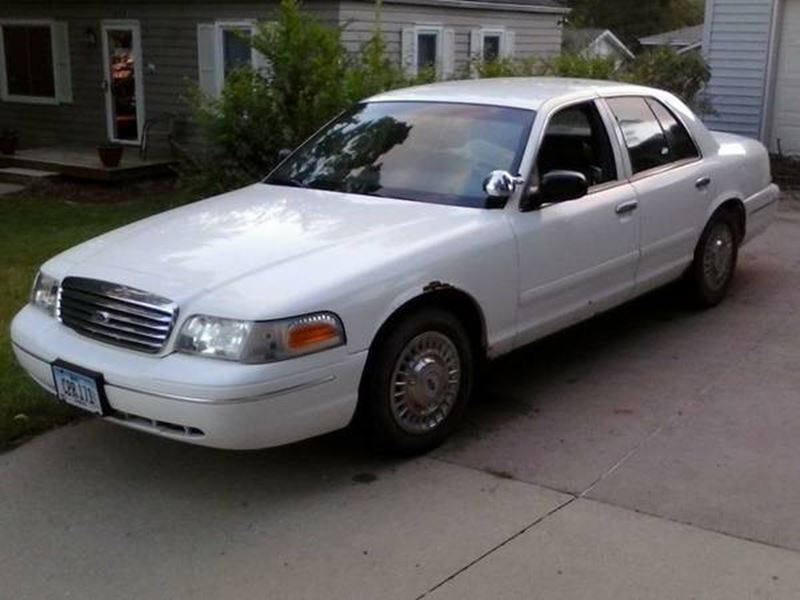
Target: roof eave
x,y
487,4
615,41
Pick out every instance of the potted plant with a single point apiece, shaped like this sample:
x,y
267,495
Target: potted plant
x,y
9,141
110,154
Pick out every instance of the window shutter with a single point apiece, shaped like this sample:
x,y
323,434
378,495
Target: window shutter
x,y
207,60
509,41
475,49
449,54
260,62
62,71
408,50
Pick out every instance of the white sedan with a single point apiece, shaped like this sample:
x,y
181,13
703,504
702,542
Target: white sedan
x,y
366,278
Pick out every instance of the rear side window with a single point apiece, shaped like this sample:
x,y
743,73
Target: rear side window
x,y
646,142
681,145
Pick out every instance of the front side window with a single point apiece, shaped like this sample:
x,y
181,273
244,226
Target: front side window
x,y
427,50
576,139
422,151
28,67
646,142
681,145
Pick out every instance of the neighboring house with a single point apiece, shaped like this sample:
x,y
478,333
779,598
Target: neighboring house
x,y
88,71
683,40
753,50
601,43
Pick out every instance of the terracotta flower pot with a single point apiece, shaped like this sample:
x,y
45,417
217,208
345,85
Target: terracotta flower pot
x,y
110,154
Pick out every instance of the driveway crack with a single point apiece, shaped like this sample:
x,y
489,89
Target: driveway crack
x,y
497,547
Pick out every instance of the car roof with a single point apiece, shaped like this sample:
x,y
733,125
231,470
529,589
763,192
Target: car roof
x,y
516,92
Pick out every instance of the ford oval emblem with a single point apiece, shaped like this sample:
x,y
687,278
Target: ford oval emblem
x,y
102,316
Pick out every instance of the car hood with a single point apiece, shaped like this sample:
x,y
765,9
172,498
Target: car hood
x,y
200,247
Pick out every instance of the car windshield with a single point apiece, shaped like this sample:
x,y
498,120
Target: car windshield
x,y
422,151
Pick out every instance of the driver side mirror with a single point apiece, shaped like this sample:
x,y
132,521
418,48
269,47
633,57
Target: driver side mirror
x,y
561,186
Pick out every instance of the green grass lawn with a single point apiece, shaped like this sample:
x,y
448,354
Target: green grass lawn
x,y
32,229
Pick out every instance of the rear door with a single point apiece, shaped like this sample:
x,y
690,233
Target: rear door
x,y
577,257
671,182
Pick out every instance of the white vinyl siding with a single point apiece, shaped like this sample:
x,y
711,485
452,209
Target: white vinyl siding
x,y
737,48
783,134
535,34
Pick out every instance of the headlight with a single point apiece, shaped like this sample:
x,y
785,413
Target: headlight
x,y
45,293
260,341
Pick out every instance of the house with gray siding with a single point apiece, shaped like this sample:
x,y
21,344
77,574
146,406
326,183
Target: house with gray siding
x,y
753,50
92,71
681,41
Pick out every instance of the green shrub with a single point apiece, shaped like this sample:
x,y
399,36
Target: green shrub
x,y
311,78
685,75
259,113
575,65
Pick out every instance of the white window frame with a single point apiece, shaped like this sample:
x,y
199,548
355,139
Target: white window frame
x,y
134,27
4,95
219,45
499,32
438,30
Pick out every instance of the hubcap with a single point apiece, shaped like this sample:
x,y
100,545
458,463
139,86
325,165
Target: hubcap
x,y
718,256
425,382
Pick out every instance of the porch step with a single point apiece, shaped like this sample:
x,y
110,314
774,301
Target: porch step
x,y
24,176
10,188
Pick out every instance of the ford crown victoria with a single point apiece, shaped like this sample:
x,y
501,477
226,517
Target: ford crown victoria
x,y
418,234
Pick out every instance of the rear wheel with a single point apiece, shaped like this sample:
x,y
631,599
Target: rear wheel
x,y
417,382
715,258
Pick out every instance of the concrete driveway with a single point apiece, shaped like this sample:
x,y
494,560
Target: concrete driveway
x,y
650,453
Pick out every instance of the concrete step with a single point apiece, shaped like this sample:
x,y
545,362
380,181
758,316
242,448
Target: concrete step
x,y
24,176
10,188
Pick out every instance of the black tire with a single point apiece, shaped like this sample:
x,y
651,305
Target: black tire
x,y
709,277
378,416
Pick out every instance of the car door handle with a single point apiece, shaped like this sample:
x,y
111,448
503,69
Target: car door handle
x,y
626,207
702,183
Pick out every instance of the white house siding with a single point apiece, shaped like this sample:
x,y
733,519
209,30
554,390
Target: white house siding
x,y
783,133
537,34
737,48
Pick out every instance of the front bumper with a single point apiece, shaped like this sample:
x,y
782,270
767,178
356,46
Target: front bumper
x,y
197,400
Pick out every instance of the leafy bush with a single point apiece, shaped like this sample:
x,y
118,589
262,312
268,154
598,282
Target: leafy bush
x,y
311,78
259,113
685,75
574,65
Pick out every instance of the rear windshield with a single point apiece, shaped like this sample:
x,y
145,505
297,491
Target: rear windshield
x,y
421,151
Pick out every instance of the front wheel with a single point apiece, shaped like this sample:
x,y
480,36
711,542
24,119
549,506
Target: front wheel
x,y
715,259
417,382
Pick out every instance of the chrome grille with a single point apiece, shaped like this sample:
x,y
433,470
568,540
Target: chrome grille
x,y
116,314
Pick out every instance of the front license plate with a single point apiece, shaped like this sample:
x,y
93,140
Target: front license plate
x,y
79,388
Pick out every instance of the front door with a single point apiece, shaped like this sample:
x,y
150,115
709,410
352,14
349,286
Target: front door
x,y
579,257
122,81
